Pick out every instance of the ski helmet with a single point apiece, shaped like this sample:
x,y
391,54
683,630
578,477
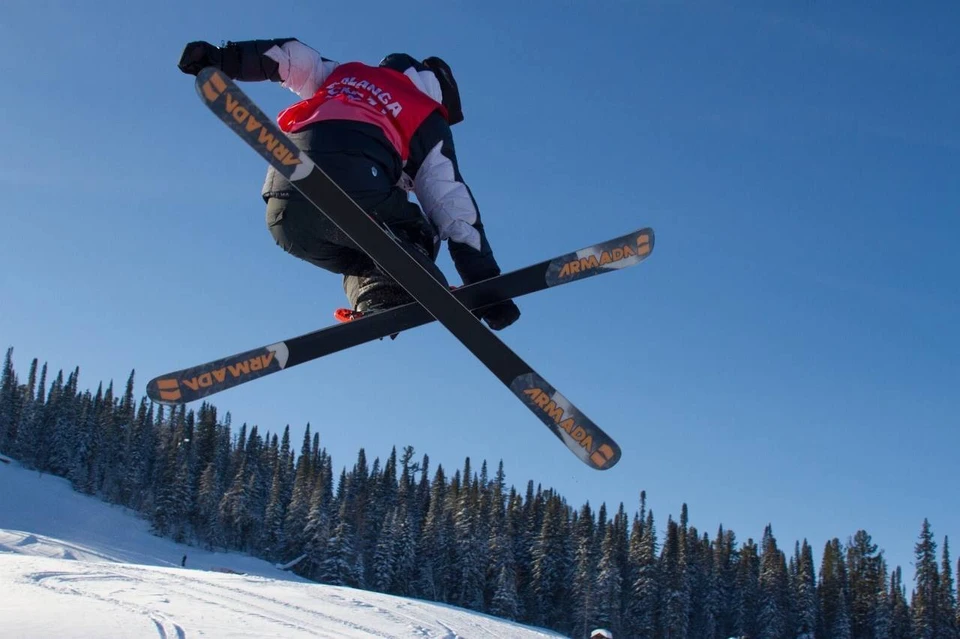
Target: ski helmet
x,y
601,633
449,93
448,86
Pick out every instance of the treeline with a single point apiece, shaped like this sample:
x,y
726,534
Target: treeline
x,y
465,538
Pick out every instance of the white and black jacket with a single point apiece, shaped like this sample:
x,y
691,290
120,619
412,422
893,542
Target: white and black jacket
x,y
429,168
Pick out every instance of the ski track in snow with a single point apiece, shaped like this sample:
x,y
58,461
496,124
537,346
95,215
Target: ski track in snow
x,y
63,582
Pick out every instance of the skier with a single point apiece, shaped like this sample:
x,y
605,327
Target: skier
x,y
378,132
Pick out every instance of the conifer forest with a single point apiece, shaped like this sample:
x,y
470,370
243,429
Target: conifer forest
x,y
464,536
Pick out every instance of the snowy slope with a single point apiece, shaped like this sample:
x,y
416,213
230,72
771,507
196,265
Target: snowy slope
x,y
73,566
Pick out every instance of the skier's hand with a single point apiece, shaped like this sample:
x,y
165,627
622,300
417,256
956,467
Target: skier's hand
x,y
500,315
198,55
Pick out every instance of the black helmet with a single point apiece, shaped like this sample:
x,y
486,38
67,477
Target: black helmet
x,y
448,85
450,94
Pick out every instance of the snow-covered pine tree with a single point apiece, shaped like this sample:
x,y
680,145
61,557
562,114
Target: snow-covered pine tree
x,y
608,587
947,604
435,550
342,565
643,612
295,521
774,612
405,550
900,623
550,575
883,613
675,595
804,594
9,405
471,545
746,590
271,534
863,574
585,557
321,517
65,419
926,594
505,600
832,593
383,567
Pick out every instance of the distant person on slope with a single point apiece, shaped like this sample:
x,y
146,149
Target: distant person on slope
x,y
378,132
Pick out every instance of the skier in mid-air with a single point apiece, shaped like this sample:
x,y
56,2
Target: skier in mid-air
x,y
379,132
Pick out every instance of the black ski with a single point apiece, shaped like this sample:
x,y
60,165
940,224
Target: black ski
x,y
581,436
190,384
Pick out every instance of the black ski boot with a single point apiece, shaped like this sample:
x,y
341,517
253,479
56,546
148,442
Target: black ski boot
x,y
373,290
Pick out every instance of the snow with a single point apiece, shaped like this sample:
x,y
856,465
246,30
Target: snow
x,y
73,566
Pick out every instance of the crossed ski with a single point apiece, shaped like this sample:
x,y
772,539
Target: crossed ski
x,y
433,300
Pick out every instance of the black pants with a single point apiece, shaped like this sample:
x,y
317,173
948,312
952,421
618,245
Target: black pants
x,y
367,171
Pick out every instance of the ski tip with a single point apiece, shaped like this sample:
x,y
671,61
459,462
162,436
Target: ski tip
x,y
622,252
165,390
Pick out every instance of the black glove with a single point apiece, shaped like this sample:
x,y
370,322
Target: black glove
x,y
500,315
198,55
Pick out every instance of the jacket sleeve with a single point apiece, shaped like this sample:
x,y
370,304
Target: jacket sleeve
x,y
286,60
447,200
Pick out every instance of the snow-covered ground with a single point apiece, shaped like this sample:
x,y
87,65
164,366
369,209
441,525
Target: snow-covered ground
x,y
72,566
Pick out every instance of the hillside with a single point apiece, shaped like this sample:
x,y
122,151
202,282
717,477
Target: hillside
x,y
73,566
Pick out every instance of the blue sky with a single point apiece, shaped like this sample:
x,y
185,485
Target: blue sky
x,y
788,354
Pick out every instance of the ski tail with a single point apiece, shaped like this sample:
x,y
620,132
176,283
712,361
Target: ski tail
x,y
585,439
191,384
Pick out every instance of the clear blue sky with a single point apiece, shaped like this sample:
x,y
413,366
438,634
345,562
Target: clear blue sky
x,y
789,354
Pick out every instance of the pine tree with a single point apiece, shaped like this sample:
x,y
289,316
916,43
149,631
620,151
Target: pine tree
x,y
832,593
926,595
585,570
883,612
642,603
471,556
609,583
549,576
295,522
321,516
81,472
900,622
271,538
864,567
505,601
675,592
9,405
384,558
747,587
208,500
30,427
405,550
805,594
947,601
436,547
774,611
342,565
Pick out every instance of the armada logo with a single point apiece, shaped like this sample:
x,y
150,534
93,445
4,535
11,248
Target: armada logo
x,y
253,128
169,388
544,401
607,256
219,375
